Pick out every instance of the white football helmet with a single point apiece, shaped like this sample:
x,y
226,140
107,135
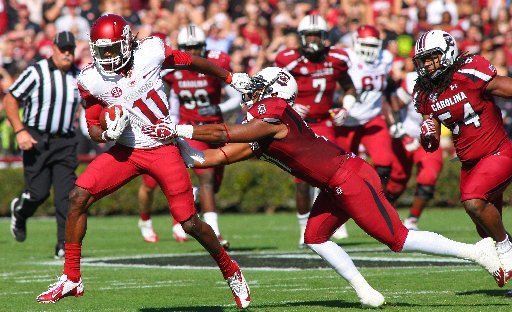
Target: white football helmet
x,y
432,45
312,24
367,43
272,82
190,37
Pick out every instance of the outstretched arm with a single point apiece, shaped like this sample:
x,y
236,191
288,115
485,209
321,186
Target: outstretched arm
x,y
252,131
228,154
500,86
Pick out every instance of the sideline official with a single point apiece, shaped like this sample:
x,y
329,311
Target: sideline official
x,y
48,92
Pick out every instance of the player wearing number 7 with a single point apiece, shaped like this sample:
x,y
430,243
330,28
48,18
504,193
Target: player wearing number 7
x,y
457,90
127,72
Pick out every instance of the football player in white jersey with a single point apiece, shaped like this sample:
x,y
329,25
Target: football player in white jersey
x,y
369,67
408,152
127,72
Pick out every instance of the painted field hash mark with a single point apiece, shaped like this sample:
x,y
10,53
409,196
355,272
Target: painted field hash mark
x,y
269,261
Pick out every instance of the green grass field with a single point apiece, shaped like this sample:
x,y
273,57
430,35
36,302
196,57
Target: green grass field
x,y
290,279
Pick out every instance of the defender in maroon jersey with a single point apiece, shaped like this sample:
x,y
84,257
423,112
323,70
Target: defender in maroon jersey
x,y
458,91
351,188
317,69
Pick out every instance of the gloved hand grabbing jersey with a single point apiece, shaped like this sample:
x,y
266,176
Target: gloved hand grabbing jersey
x,y
116,126
165,130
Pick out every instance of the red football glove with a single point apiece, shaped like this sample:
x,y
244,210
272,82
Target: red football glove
x,y
428,135
163,130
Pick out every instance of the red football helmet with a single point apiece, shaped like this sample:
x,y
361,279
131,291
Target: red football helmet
x,y
367,43
111,42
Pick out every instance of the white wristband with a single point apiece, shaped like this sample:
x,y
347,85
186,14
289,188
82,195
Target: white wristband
x,y
348,101
185,131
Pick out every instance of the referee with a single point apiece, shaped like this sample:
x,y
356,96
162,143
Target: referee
x,y
49,94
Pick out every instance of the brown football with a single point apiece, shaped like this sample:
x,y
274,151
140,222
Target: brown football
x,y
111,111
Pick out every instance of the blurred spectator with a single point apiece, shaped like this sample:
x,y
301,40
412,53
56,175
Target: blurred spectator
x,y
23,21
447,25
218,39
129,15
89,10
471,43
70,20
339,29
52,10
436,8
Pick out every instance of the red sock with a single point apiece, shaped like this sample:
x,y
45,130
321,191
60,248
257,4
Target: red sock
x,y
226,266
72,261
415,212
145,216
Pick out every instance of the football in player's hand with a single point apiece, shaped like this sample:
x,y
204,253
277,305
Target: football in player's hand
x,y
109,111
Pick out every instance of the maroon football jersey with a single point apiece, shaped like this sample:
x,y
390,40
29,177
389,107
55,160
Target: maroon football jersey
x,y
196,90
316,81
471,115
302,153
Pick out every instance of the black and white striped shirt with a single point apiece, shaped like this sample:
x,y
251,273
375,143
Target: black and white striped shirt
x,y
50,97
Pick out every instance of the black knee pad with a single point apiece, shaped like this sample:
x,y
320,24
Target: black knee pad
x,y
392,198
425,192
384,172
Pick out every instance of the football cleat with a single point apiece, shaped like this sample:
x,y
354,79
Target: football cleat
x,y
62,288
488,258
178,233
223,242
341,232
18,223
147,231
506,260
239,288
371,298
411,223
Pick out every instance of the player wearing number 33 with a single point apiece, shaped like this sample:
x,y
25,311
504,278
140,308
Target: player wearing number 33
x,y
457,90
127,72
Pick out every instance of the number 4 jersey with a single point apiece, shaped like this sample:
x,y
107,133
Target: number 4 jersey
x,y
471,115
196,90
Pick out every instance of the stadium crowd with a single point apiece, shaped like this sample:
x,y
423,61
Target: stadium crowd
x,y
253,32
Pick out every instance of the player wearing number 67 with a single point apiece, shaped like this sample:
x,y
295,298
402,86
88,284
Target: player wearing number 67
x,y
127,72
457,90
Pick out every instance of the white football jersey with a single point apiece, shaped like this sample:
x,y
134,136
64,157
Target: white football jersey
x,y
370,80
411,119
141,92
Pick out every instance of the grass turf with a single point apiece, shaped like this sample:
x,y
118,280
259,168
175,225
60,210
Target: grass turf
x,y
28,268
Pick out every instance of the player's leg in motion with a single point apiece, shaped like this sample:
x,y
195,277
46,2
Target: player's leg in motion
x,y
481,187
429,168
321,225
103,176
377,141
302,200
172,176
210,180
357,191
145,197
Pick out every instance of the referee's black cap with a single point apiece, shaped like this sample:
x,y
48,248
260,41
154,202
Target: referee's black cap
x,y
64,39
